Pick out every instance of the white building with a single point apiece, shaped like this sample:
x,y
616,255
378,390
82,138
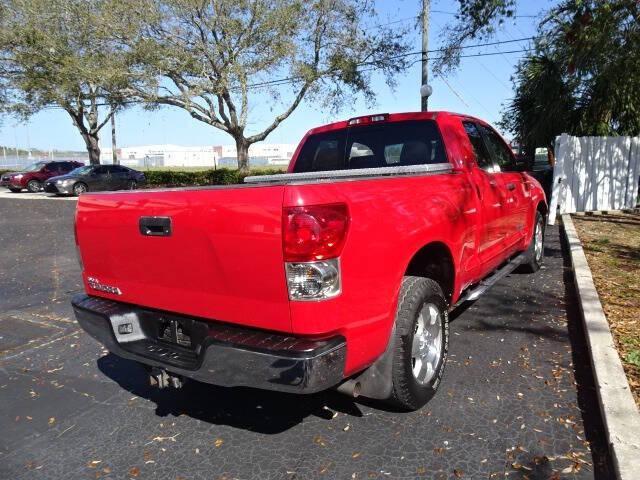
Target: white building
x,y
206,156
164,156
271,154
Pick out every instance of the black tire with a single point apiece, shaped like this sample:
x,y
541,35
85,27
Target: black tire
x,y
15,190
534,257
80,188
132,185
34,186
417,294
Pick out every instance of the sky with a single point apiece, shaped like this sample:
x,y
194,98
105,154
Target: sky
x,y
480,87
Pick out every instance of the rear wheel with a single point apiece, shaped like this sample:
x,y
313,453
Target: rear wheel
x,y
422,342
34,186
535,253
79,188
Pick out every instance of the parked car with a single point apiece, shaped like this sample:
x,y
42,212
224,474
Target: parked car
x,y
95,178
33,176
339,274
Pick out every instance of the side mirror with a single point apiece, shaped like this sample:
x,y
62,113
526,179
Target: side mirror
x,y
521,164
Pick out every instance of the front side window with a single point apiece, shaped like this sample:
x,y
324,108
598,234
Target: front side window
x,y
35,167
373,146
81,170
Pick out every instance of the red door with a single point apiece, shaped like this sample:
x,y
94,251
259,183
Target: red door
x,y
491,202
512,184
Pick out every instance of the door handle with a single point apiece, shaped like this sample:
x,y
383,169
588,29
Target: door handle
x,y
493,183
511,186
155,226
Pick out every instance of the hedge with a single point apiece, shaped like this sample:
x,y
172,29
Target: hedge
x,y
221,176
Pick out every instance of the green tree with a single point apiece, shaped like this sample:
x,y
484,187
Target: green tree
x,y
475,19
216,58
59,53
543,104
584,78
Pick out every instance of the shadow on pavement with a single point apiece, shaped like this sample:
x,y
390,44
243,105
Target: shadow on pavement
x,y
245,408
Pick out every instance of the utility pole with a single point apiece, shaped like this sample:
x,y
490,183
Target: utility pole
x,y
114,153
425,89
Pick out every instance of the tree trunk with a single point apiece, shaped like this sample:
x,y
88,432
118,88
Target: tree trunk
x,y
93,147
242,149
114,150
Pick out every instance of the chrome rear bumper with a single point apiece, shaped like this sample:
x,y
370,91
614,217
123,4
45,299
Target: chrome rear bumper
x,y
213,352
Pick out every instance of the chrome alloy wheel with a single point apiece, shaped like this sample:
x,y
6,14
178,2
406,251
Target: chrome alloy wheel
x,y
539,240
426,349
79,189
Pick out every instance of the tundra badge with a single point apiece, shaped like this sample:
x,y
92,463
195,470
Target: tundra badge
x,y
96,285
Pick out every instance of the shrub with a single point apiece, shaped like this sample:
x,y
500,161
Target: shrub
x,y
181,178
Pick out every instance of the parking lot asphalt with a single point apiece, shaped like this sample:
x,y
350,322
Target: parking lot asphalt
x,y
6,194
517,398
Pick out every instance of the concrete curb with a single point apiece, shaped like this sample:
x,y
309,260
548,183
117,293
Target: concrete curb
x,y
619,411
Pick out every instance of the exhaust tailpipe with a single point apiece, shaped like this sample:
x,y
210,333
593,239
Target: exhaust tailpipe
x,y
351,388
162,379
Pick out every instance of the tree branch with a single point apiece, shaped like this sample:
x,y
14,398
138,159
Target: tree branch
x,y
283,116
104,122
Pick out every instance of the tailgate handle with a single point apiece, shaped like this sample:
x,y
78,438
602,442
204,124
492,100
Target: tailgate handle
x,y
155,226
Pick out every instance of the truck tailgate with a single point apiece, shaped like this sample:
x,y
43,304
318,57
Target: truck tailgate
x,y
222,260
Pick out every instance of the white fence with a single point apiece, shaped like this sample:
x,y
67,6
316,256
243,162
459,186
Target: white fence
x,y
594,173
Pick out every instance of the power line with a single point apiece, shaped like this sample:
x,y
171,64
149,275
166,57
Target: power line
x,y
445,12
293,79
408,54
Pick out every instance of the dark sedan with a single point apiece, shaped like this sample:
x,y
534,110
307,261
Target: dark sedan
x,y
95,178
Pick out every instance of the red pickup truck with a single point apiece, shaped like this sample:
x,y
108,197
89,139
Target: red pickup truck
x,y
338,274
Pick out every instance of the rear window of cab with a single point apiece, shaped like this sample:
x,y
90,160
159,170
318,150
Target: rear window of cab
x,y
378,145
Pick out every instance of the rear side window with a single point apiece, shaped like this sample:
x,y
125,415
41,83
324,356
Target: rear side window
x,y
482,154
373,146
501,153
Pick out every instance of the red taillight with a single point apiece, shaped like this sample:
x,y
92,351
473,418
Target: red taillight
x,y
316,232
75,235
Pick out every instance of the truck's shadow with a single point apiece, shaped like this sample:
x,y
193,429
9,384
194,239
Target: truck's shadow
x,y
246,408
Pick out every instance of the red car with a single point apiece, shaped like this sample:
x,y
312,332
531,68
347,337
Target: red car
x,y
339,274
33,177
